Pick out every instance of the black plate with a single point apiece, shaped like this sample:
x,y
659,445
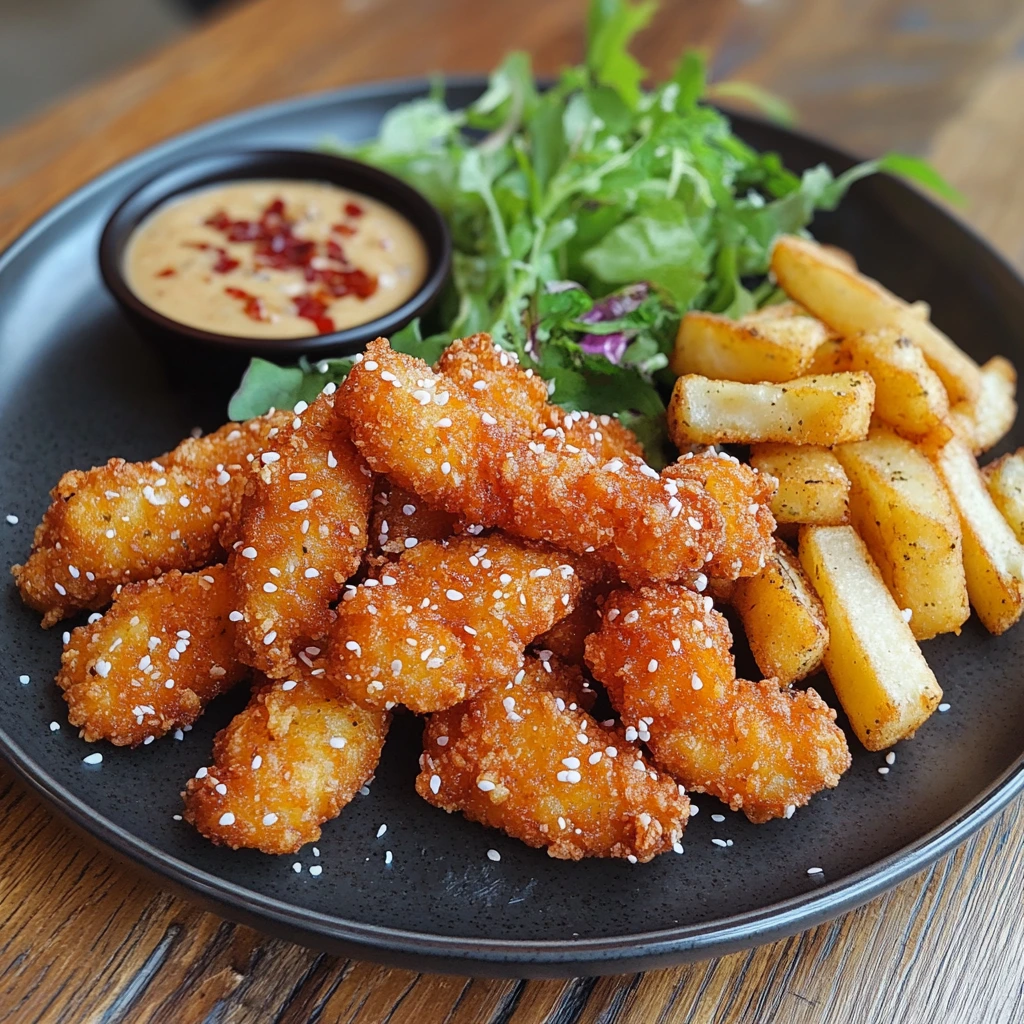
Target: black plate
x,y
77,385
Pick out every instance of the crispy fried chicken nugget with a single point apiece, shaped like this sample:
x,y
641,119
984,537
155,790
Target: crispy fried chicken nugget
x,y
129,521
161,653
664,656
525,759
447,620
491,378
302,531
400,520
743,495
290,761
415,426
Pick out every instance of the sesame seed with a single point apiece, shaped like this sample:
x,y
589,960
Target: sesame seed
x,y
435,783
54,726
814,871
269,638
60,590
485,785
381,831
269,818
298,506
93,758
13,520
269,588
370,364
235,616
338,742
720,842
311,573
493,854
453,595
718,817
652,665
297,868
221,789
249,552
890,758
351,645
943,708
694,810
202,773
268,457
331,460
883,771
631,858
296,476
695,682
446,468
907,614
316,870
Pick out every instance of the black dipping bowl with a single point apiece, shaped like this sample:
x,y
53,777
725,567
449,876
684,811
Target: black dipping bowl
x,y
226,355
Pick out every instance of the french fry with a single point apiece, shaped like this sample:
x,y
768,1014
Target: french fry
x,y
899,506
908,393
1004,479
850,303
823,410
983,423
993,557
767,346
813,487
877,669
832,357
783,618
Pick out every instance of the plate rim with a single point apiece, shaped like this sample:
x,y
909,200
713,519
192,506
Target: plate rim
x,y
449,953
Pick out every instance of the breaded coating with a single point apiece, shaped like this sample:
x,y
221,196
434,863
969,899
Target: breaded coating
x,y
302,531
447,620
161,653
566,638
744,497
290,761
524,759
492,379
413,425
399,520
129,521
664,655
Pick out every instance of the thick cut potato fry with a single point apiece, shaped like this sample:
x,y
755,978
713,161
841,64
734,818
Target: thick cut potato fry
x,y
909,395
899,505
1005,481
877,670
783,618
993,557
831,357
850,303
763,347
813,488
983,423
824,410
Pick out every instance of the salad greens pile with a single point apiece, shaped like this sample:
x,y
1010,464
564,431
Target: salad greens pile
x,y
586,219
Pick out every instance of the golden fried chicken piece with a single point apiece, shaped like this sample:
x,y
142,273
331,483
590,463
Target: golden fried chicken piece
x,y
743,495
566,638
664,655
446,620
492,379
301,534
399,520
129,521
526,759
161,653
291,760
411,424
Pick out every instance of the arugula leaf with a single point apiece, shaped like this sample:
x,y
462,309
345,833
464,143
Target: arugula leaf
x,y
610,27
266,385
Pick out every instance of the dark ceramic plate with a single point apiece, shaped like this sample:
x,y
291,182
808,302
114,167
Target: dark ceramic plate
x,y
77,385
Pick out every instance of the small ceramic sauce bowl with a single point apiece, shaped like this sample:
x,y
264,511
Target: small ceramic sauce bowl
x,y
228,353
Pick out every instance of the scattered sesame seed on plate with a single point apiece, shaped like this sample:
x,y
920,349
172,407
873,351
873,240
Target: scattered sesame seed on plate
x,y
24,680
883,771
316,870
12,519
718,817
54,726
943,708
493,855
95,758
814,871
297,868
387,857
381,831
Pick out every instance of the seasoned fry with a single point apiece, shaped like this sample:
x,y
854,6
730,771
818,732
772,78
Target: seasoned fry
x,y
770,345
525,759
909,395
399,520
850,303
664,656
877,670
783,618
128,521
744,496
824,410
900,508
290,761
993,557
649,526
491,378
832,357
1004,479
161,653
301,534
447,620
983,423
813,487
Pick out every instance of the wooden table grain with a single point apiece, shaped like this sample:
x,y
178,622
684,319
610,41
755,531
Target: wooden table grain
x,y
82,938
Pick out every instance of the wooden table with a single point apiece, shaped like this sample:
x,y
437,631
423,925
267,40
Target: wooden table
x,y
84,939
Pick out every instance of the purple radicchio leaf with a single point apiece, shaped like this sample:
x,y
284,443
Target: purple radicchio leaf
x,y
612,307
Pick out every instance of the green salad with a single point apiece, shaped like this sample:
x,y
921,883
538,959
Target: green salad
x,y
586,220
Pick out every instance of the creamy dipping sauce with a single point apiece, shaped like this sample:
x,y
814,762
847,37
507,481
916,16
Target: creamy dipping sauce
x,y
275,259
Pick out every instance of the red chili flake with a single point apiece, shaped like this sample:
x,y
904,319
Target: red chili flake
x,y
353,210
313,307
253,304
335,251
166,272
343,229
223,264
